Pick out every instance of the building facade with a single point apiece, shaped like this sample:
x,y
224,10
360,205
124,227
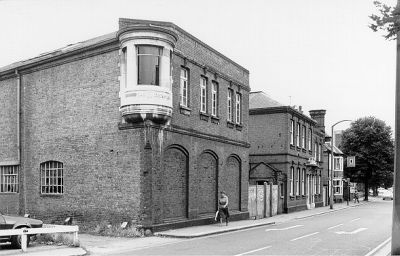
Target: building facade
x,y
286,149
146,124
337,169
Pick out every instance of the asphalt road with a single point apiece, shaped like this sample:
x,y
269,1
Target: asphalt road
x,y
354,231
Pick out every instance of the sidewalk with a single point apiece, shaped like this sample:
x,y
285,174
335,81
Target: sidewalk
x,y
97,245
206,230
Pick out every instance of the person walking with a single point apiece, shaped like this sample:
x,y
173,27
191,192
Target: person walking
x,y
223,207
356,196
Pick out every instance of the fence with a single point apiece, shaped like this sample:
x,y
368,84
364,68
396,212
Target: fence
x,y
263,200
46,229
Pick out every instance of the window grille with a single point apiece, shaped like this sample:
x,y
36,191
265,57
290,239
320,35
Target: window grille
x,y
52,178
9,179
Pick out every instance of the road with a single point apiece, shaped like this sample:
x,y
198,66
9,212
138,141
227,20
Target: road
x,y
354,231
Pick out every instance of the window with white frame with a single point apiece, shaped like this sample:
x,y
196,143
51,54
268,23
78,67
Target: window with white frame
x,y
52,178
316,151
298,182
298,135
238,108
303,188
148,63
309,139
9,179
184,90
315,183
303,137
291,181
337,187
319,152
291,132
203,95
230,105
214,99
338,163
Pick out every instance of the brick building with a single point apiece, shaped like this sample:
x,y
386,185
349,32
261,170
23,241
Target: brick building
x,y
145,124
286,149
337,166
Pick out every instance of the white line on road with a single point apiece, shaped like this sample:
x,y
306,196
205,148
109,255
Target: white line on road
x,y
379,247
273,229
355,219
304,236
266,247
336,226
350,233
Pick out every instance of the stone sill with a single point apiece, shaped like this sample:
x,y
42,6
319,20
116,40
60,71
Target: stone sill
x,y
184,110
204,116
214,120
230,124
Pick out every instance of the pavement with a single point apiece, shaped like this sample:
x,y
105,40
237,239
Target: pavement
x,y
100,245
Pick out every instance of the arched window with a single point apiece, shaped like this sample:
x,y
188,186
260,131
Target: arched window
x,y
51,178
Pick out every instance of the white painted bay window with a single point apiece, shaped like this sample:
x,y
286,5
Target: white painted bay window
x,y
148,63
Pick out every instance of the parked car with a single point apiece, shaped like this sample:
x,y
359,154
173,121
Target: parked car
x,y
387,195
15,222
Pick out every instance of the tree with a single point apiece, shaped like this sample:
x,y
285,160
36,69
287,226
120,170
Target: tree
x,y
387,21
370,141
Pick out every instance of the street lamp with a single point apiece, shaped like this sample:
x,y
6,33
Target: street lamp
x,y
331,171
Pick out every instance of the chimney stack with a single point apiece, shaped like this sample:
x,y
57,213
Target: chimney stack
x,y
319,116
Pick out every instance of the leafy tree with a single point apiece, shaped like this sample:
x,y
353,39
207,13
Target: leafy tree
x,y
387,21
370,141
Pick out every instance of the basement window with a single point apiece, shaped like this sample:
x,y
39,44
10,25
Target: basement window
x,y
52,178
9,179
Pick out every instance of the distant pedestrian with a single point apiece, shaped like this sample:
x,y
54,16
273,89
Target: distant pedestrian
x,y
223,207
356,196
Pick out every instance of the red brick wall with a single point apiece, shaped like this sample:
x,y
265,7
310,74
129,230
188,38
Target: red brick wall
x,y
9,203
8,124
70,115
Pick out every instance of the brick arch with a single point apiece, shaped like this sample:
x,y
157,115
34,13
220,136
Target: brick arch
x,y
175,182
207,182
230,180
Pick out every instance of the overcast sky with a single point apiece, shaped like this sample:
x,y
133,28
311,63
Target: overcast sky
x,y
319,54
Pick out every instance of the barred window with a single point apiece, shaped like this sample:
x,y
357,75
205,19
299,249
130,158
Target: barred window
x,y
9,179
52,177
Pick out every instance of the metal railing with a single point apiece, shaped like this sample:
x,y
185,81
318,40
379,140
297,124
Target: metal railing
x,y
46,229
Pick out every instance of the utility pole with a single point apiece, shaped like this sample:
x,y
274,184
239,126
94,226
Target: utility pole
x,y
396,198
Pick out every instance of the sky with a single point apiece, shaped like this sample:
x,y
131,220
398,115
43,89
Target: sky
x,y
318,54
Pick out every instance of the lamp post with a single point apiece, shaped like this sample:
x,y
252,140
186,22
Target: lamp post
x,y
331,171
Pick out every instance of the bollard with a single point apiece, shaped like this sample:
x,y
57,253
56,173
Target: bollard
x,y
24,241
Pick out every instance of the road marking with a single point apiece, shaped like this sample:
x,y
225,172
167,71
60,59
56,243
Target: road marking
x,y
379,247
355,219
273,229
266,247
304,236
350,233
335,226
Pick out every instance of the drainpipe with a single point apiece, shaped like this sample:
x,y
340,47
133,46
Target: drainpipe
x,y
19,135
18,116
